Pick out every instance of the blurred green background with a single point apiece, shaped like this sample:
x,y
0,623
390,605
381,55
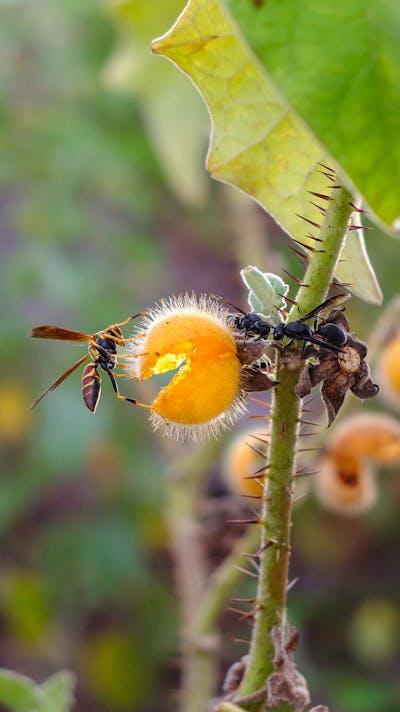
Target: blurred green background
x,y
105,207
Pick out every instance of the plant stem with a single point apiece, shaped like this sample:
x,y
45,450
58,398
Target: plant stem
x,y
184,493
278,490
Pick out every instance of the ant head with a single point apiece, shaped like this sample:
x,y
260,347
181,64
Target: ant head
x,y
279,332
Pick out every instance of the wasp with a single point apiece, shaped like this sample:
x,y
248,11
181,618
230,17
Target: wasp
x,y
102,354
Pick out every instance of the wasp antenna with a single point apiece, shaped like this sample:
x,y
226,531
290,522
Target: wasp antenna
x,y
323,196
292,583
357,209
308,449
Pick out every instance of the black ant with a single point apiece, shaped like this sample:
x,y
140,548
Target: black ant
x,y
333,336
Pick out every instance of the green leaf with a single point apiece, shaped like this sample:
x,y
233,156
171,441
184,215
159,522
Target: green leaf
x,y
58,693
18,692
338,65
21,694
266,292
173,114
257,144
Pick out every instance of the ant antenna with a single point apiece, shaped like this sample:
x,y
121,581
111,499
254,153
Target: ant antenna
x,y
226,301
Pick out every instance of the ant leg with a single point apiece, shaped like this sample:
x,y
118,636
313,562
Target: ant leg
x,y
124,398
323,344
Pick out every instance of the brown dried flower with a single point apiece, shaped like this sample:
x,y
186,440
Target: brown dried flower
x,y
338,372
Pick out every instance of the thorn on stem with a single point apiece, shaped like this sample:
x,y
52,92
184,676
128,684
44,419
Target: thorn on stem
x,y
311,222
323,196
292,583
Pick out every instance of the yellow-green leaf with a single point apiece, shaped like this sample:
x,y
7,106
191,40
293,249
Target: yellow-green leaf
x,y
257,144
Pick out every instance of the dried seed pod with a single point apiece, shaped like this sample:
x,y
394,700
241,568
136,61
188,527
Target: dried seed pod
x,y
346,483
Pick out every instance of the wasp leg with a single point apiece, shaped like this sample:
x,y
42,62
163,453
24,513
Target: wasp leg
x,y
124,398
125,340
130,318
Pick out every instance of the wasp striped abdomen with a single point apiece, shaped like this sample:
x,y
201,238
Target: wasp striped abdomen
x,y
91,386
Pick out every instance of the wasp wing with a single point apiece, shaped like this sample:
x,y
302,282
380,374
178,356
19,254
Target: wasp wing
x,y
47,331
328,304
60,379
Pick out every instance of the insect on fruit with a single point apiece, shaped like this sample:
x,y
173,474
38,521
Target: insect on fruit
x,y
102,353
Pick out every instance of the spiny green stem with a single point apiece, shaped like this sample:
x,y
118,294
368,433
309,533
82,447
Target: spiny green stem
x,y
278,491
222,583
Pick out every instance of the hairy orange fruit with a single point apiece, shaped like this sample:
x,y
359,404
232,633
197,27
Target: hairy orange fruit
x,y
196,337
